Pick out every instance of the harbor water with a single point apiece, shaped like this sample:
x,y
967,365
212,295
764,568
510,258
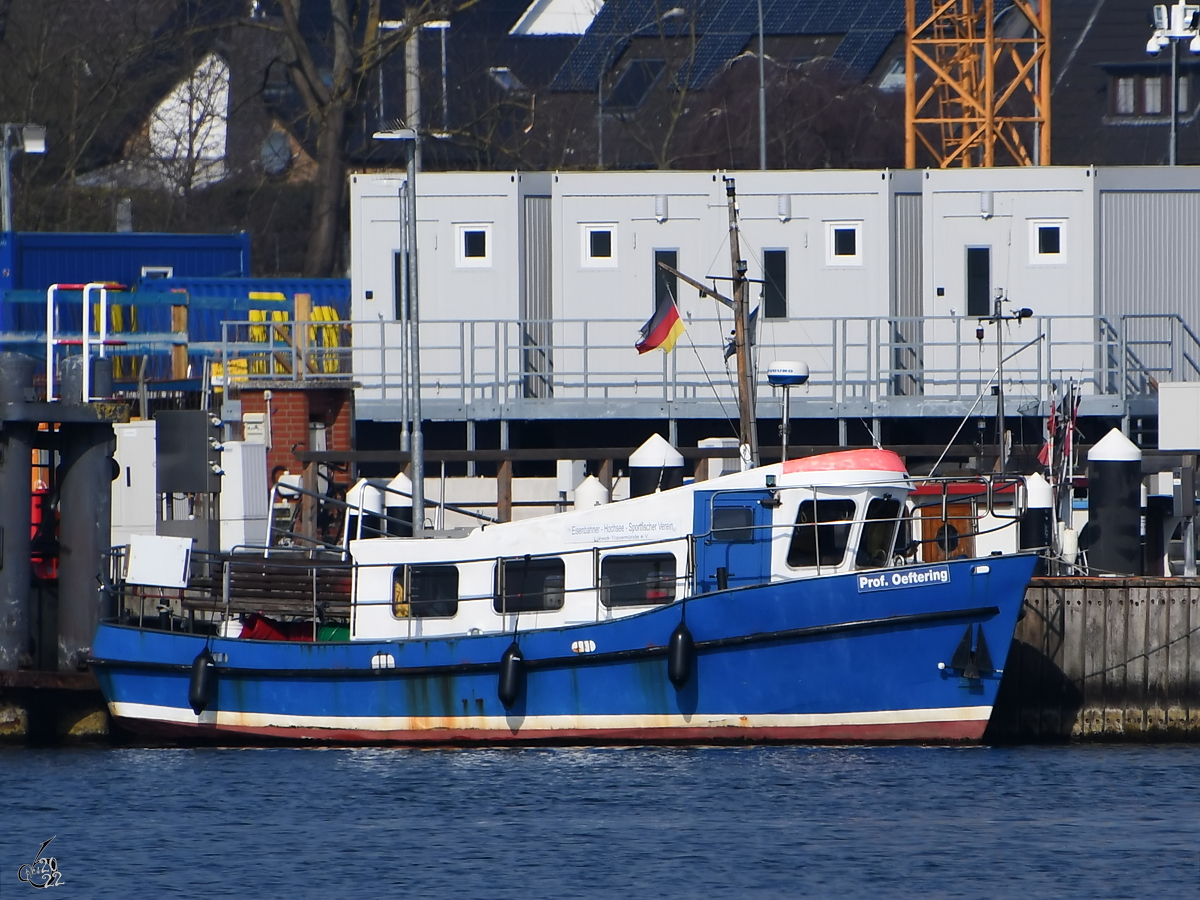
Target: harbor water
x,y
1034,821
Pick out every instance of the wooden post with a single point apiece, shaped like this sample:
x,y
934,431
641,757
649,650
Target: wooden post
x,y
303,313
504,491
308,503
179,349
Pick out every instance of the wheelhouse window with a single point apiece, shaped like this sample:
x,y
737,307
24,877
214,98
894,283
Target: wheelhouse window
x,y
821,533
425,592
879,533
644,579
530,585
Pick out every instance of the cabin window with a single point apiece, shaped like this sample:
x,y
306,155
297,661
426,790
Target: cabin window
x,y
425,592
821,533
641,580
879,533
530,585
733,524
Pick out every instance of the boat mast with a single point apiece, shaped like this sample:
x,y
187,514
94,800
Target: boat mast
x,y
747,425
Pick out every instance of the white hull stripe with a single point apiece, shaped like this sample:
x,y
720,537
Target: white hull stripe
x,y
526,724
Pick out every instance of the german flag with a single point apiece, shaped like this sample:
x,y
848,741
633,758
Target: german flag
x,y
663,329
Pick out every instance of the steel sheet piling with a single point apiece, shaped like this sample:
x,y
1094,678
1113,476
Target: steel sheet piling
x,y
16,460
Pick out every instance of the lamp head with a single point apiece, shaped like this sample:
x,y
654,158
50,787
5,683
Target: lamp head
x,y
33,138
395,134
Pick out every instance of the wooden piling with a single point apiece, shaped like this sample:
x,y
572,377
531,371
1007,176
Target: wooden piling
x,y
1103,659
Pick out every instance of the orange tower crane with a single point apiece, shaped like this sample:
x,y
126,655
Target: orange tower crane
x,y
983,95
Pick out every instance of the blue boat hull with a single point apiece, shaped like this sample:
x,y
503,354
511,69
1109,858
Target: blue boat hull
x,y
832,658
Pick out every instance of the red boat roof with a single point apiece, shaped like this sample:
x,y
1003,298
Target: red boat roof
x,y
847,461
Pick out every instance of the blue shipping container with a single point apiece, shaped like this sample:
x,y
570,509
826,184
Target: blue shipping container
x,y
36,260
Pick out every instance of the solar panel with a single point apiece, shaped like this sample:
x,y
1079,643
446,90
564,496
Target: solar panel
x,y
712,52
860,50
726,28
587,62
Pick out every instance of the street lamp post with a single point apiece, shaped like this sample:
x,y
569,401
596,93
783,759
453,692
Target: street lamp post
x,y
13,139
762,100
1172,25
673,13
412,325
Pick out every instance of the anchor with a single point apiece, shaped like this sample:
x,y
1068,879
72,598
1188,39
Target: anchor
x,y
971,661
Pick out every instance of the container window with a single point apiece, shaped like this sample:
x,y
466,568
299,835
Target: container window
x,y
821,533
474,245
425,592
600,246
1047,241
530,585
879,533
843,244
644,579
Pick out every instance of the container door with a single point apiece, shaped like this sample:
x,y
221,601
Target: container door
x,y
733,539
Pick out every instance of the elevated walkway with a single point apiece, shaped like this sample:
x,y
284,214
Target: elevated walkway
x,y
871,368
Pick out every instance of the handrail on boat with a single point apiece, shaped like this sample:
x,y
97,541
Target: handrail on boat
x,y
304,567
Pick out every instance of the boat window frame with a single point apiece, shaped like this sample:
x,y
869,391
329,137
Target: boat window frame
x,y
823,529
500,580
415,609
732,534
887,547
669,582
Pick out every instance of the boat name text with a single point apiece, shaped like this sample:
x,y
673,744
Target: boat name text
x,y
886,581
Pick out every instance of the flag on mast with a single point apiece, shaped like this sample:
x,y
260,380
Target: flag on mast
x,y
663,329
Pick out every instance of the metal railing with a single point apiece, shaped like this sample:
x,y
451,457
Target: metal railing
x,y
865,359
